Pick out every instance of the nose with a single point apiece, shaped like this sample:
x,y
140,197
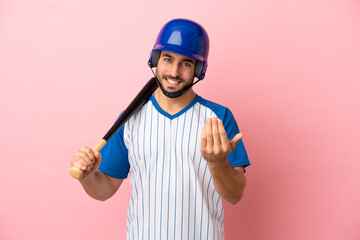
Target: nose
x,y
175,71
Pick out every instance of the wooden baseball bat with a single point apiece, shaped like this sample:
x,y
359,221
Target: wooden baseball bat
x,y
140,99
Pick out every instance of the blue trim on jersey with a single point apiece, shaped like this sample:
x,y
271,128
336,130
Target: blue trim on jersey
x,y
156,105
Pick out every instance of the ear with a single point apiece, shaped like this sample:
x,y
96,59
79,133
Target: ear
x,y
199,70
154,58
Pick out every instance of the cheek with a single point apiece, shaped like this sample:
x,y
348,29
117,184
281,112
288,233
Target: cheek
x,y
160,69
190,73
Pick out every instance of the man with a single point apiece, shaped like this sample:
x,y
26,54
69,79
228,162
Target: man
x,y
176,149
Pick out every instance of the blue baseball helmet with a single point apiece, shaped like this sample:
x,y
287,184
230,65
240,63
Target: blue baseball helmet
x,y
184,37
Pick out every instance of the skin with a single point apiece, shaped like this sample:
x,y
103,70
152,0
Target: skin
x,y
174,72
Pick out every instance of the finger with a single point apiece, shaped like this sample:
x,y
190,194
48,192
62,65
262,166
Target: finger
x,y
209,137
215,133
223,135
89,152
97,155
89,167
87,163
85,157
236,140
203,139
80,162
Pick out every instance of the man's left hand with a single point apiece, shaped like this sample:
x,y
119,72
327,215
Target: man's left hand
x,y
215,145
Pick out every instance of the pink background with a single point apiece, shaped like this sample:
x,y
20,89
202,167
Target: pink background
x,y
288,70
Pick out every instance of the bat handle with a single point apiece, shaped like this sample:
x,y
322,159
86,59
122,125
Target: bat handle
x,y
76,172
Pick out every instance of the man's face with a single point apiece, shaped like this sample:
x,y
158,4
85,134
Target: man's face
x,y
175,71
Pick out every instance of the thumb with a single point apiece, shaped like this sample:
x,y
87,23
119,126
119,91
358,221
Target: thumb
x,y
235,140
98,157
97,154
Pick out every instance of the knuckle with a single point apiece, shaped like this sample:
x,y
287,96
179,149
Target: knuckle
x,y
223,133
98,155
85,149
225,148
77,164
76,158
82,149
78,152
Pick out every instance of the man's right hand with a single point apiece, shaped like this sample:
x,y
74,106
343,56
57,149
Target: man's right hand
x,y
87,160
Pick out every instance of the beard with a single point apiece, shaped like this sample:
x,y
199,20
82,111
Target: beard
x,y
181,80
173,93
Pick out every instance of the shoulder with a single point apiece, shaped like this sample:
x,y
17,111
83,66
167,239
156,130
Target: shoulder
x,y
220,111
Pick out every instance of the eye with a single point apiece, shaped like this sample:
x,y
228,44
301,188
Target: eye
x,y
186,64
167,59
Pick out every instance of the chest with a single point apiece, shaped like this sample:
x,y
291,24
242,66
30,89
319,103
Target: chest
x,y
154,140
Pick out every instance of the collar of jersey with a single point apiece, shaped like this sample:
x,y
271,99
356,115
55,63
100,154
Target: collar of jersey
x,y
161,111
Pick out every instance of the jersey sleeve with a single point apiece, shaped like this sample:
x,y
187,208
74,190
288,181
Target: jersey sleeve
x,y
115,161
238,157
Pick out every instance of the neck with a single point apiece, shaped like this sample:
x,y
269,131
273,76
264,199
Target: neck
x,y
174,105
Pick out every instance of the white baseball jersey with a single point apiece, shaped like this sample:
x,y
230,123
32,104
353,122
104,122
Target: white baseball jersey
x,y
173,196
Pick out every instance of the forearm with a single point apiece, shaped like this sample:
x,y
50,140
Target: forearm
x,y
228,182
98,186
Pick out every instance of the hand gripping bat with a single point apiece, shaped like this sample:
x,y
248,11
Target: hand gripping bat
x,y
140,99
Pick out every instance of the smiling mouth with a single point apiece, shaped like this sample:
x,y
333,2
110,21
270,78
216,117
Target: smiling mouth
x,y
172,81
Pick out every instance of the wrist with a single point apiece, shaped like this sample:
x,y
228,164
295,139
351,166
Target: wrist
x,y
217,162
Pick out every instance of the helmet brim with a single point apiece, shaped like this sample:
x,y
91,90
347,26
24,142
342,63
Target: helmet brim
x,y
179,50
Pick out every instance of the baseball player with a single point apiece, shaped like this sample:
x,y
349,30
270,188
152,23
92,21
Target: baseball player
x,y
182,153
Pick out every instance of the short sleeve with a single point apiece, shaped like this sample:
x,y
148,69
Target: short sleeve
x,y
238,157
115,161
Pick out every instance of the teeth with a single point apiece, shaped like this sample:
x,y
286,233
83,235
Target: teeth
x,y
172,82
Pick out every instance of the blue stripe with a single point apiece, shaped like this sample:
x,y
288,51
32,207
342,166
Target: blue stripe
x,y
216,213
144,141
222,221
137,197
189,173
168,210
157,144
131,209
207,200
139,171
137,203
149,178
162,177
197,132
176,165
202,202
142,187
182,185
133,236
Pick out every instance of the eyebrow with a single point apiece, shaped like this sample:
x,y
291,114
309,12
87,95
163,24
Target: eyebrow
x,y
190,60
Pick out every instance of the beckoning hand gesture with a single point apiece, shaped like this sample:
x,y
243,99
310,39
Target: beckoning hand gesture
x,y
215,145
